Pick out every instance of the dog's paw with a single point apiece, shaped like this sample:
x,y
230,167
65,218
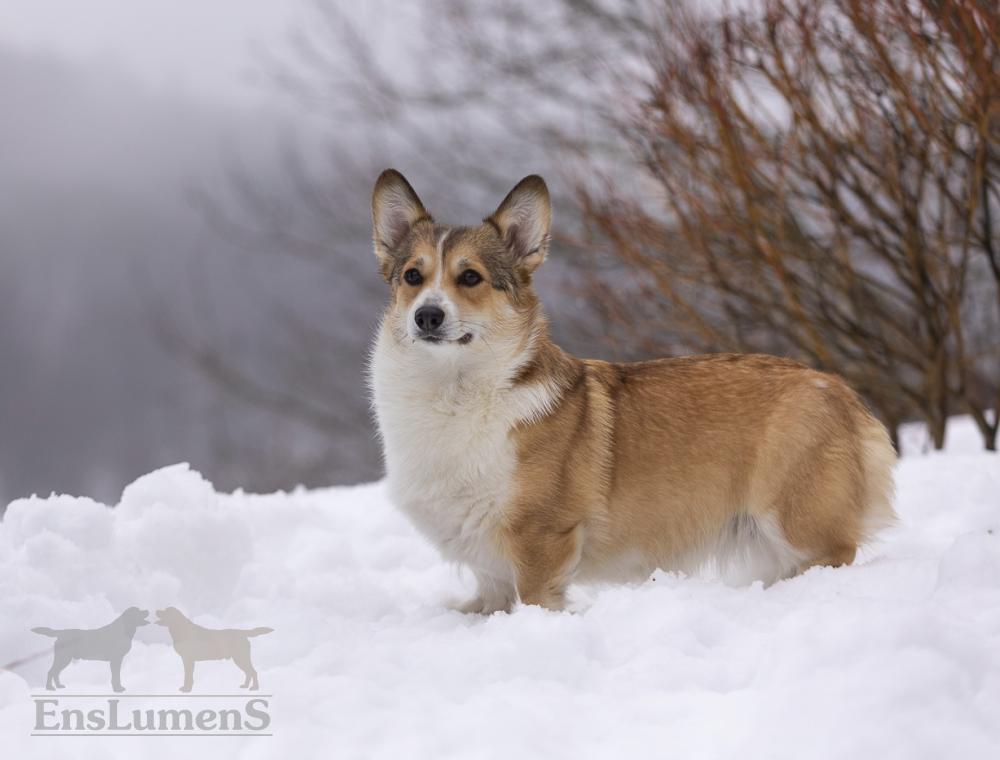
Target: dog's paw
x,y
474,606
60,686
118,689
185,689
480,606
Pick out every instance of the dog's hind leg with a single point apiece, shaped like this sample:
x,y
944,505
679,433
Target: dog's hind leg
x,y
188,675
116,675
821,510
242,660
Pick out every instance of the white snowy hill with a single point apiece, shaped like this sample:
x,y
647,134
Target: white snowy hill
x,y
897,656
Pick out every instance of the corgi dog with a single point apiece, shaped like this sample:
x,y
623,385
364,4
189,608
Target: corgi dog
x,y
537,469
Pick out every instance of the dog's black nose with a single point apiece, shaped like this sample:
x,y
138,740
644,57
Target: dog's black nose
x,y
429,318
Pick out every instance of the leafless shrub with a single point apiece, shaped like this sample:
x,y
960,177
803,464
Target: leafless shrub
x,y
820,179
811,178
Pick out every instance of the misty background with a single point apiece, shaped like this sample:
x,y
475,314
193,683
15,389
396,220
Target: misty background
x,y
185,266
186,271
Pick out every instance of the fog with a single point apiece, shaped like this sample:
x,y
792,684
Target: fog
x,y
112,129
139,325
159,44
185,263
96,228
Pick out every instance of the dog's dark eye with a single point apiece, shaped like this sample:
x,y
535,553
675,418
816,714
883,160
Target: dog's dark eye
x,y
469,278
413,277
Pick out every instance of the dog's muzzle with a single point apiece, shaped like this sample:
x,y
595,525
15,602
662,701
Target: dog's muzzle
x,y
430,323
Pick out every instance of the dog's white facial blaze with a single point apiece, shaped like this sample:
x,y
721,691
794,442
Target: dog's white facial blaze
x,y
452,329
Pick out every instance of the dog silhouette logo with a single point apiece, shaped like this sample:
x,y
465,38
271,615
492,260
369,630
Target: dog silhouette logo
x,y
107,644
195,643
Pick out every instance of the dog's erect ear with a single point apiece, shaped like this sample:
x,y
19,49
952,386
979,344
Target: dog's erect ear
x,y
395,209
524,219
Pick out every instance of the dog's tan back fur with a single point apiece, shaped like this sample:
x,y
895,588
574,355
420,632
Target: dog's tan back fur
x,y
655,460
612,470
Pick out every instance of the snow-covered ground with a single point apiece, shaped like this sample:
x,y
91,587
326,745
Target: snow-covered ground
x,y
897,656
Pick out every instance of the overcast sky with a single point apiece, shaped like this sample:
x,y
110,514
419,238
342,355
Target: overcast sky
x,y
201,47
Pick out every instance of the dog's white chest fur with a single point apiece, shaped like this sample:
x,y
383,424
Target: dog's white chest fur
x,y
449,459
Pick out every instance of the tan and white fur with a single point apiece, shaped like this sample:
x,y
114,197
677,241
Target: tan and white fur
x,y
537,469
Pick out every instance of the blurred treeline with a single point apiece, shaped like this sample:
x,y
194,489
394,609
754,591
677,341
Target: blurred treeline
x,y
818,179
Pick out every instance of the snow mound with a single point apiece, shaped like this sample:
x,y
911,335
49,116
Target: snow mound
x,y
897,656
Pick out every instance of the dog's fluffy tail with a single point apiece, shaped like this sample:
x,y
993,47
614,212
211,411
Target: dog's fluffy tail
x,y
46,631
258,631
878,461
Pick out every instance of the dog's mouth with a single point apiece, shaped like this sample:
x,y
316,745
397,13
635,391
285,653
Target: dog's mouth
x,y
144,617
437,339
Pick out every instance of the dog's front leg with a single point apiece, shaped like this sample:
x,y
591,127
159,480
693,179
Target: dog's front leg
x,y
59,663
492,595
545,561
188,675
116,675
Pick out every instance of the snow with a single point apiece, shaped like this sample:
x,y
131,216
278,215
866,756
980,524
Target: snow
x,y
897,656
